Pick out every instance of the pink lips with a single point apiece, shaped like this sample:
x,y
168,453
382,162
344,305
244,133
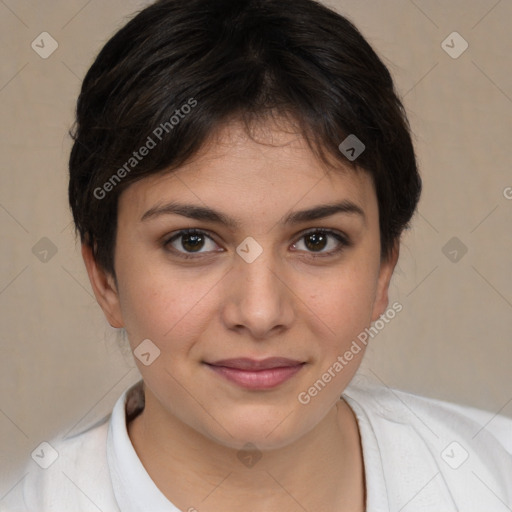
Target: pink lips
x,y
253,374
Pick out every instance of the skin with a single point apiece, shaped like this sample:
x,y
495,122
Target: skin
x,y
285,303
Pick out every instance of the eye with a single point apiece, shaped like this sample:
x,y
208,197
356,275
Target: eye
x,y
190,241
317,240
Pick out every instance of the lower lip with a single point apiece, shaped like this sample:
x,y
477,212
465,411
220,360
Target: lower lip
x,y
260,379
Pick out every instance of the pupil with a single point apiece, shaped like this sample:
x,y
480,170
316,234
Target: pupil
x,y
191,242
316,237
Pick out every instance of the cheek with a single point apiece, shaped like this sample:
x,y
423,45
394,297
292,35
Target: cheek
x,y
343,302
171,309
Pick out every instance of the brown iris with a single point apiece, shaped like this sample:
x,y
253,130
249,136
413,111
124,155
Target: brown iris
x,y
318,241
192,241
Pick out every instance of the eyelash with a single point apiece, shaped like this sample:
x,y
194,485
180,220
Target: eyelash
x,y
341,238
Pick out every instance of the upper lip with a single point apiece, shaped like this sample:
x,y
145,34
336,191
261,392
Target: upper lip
x,y
244,363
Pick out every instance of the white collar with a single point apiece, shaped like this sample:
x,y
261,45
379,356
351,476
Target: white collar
x,y
133,488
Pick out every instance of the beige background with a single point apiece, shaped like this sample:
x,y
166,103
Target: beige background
x,y
61,364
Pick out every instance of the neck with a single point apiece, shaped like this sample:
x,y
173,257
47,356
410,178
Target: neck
x,y
321,470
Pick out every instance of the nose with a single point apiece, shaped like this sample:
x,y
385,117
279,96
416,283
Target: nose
x,y
258,300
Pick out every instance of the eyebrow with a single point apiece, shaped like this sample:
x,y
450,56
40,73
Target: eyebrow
x,y
210,215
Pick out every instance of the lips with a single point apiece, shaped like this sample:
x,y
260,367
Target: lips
x,y
244,363
257,374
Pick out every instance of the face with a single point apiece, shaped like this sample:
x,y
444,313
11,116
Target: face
x,y
283,261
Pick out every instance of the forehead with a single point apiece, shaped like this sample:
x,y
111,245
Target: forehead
x,y
271,169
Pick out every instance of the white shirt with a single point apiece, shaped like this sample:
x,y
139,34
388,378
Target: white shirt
x,y
420,455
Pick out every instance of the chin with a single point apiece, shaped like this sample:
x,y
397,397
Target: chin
x,y
265,432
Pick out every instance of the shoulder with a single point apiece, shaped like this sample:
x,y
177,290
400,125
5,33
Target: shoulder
x,y
72,472
446,417
66,471
468,449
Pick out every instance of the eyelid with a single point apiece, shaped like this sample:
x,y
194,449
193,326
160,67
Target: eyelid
x,y
166,240
342,238
175,235
327,231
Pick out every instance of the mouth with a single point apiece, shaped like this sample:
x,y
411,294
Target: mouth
x,y
257,374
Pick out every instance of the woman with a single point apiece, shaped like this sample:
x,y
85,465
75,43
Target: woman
x,y
241,174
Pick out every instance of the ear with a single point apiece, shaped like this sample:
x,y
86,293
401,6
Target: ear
x,y
104,288
385,273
